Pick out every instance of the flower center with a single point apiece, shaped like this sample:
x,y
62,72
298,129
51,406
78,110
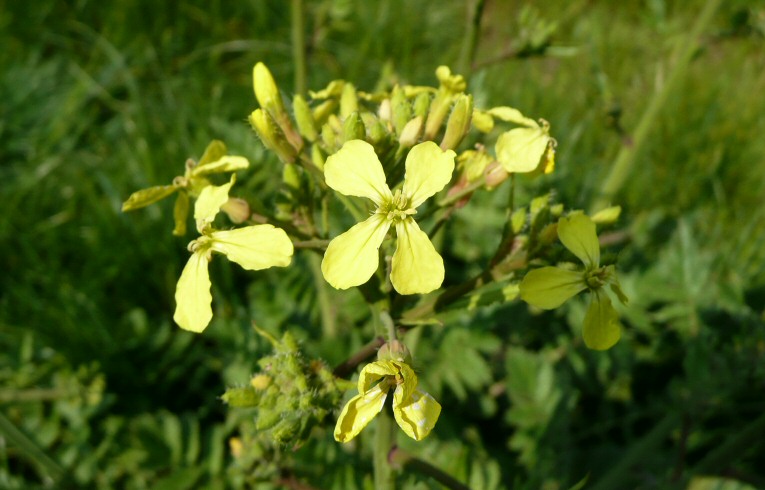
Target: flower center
x,y
398,208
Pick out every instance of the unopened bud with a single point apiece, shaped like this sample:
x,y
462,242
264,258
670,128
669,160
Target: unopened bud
x,y
385,113
266,90
495,175
271,136
322,111
238,210
260,381
395,350
304,118
317,157
483,121
421,104
459,122
349,101
329,138
353,128
410,134
402,110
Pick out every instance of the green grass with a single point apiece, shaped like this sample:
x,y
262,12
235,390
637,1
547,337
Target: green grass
x,y
100,389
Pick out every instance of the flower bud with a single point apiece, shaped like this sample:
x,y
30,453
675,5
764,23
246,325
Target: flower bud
x,y
260,381
238,210
495,174
410,134
385,113
304,118
266,90
271,136
322,111
395,350
402,110
421,104
353,128
349,101
459,122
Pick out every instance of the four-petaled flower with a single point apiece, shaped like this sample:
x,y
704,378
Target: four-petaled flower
x,y
352,257
416,412
550,287
253,247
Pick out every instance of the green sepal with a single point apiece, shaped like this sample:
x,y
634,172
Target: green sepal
x,y
601,323
550,287
144,197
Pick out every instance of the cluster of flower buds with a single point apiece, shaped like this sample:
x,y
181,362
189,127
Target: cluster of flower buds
x,y
291,393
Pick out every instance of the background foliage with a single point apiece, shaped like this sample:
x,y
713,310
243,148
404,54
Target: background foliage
x,y
100,389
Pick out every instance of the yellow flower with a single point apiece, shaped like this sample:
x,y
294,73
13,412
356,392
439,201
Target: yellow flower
x,y
549,287
352,258
253,247
416,412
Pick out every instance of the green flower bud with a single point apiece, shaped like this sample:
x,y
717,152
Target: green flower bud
x,y
317,157
271,136
421,104
459,122
267,419
329,138
241,397
353,128
304,118
322,111
260,381
395,350
349,101
402,110
375,129
266,90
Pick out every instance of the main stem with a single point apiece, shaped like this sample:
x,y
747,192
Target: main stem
x,y
298,46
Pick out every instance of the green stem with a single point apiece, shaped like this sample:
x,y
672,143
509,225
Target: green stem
x,y
26,445
470,39
384,440
626,157
298,46
328,324
401,459
734,448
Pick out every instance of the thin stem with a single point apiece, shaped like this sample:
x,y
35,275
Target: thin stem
x,y
345,369
626,157
298,46
384,440
328,324
470,38
401,459
28,446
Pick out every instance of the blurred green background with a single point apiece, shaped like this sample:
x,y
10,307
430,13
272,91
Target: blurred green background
x,y
99,389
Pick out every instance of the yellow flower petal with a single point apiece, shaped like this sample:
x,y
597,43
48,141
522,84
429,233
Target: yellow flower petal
x,y
358,412
374,371
577,233
601,323
210,200
355,170
417,415
144,197
224,164
416,267
521,149
428,170
192,295
254,247
352,258
512,115
407,387
550,287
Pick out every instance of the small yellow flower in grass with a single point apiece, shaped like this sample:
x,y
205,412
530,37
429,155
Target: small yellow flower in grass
x,y
253,247
550,287
416,412
352,258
